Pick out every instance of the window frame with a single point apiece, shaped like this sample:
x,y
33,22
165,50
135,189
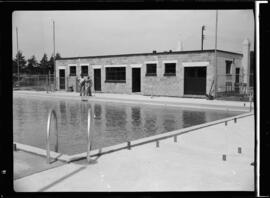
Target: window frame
x,y
230,67
121,78
147,73
87,66
166,73
72,74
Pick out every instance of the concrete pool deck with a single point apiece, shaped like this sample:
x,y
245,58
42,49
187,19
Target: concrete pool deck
x,y
135,98
27,164
193,163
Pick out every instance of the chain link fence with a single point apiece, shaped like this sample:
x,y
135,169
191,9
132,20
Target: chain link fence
x,y
34,82
45,83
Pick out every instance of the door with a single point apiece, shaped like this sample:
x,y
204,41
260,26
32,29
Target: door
x,y
97,79
136,79
237,80
195,80
62,82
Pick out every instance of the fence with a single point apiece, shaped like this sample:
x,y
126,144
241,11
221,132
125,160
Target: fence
x,y
233,87
35,82
45,83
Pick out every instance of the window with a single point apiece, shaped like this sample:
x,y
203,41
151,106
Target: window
x,y
170,69
72,71
228,67
116,74
84,70
151,69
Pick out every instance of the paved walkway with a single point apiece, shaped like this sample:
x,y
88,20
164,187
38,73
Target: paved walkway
x,y
193,163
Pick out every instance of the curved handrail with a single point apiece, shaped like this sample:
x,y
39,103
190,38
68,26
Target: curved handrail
x,y
51,112
88,134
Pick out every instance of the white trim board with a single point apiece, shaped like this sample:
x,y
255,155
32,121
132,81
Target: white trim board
x,y
136,65
169,61
61,67
195,64
84,64
70,65
96,66
151,62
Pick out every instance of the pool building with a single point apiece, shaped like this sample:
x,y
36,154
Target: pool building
x,y
169,73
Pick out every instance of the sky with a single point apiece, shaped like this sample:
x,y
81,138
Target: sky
x,y
92,33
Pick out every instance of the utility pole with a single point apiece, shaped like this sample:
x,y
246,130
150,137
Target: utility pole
x,y
18,62
54,55
203,28
216,67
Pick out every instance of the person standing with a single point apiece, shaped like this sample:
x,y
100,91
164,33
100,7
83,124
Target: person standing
x,y
82,85
88,85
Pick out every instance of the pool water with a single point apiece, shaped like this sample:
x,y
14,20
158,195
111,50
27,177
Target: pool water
x,y
114,122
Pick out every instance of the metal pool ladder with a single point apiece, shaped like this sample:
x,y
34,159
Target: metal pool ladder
x,y
88,134
51,113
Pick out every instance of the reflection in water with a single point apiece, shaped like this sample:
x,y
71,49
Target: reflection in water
x,y
136,116
19,118
97,111
84,108
73,113
116,119
35,110
113,124
63,112
150,123
191,118
169,122
20,114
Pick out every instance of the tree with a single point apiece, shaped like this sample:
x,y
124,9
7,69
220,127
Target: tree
x,y
32,64
44,64
51,65
51,62
22,62
57,56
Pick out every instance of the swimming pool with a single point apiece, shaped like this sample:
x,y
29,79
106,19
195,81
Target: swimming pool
x,y
114,123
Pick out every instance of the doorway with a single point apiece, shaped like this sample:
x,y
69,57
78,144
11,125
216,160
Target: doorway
x,y
237,80
195,80
97,79
62,77
136,79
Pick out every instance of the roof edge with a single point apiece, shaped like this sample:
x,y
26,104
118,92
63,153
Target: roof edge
x,y
147,54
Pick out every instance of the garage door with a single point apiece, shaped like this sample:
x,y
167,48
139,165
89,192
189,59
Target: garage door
x,y
195,80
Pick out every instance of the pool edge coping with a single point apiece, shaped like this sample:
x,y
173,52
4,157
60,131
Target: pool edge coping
x,y
127,144
146,101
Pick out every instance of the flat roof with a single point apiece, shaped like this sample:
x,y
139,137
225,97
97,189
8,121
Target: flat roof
x,y
149,54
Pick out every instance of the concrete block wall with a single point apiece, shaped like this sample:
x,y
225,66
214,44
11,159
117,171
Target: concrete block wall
x,y
153,85
174,85
198,57
222,57
72,82
110,87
